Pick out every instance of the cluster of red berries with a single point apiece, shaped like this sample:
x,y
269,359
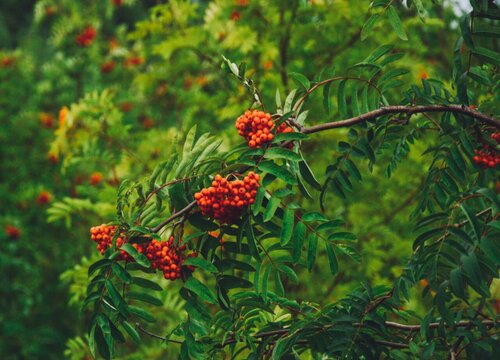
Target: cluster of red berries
x,y
226,200
86,37
167,258
495,136
107,67
103,236
256,127
164,256
487,158
12,232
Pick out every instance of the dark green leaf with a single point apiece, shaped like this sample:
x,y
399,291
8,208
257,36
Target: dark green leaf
x,y
201,290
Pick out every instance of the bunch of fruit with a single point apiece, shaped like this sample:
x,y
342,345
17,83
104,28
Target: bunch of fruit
x,y
167,258
86,37
164,256
486,158
257,128
103,236
226,200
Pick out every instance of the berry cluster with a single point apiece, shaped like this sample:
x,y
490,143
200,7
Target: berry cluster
x,y
103,236
43,198
107,67
226,200
256,127
164,256
495,136
167,258
86,37
12,232
487,158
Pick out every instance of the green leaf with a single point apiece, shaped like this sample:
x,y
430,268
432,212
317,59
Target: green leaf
x,y
313,216
280,290
472,221
201,290
457,283
261,193
341,100
300,80
98,265
289,136
231,282
144,297
368,26
289,101
121,273
471,267
287,228
279,171
141,259
282,153
339,236
349,251
327,103
312,249
143,314
479,75
289,273
487,55
252,245
131,331
278,99
395,22
145,283
332,258
298,240
271,208
308,175
114,294
201,263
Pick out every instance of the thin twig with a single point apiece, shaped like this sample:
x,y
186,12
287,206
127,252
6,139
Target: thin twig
x,y
174,216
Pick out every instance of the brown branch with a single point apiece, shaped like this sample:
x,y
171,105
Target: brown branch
x,y
408,110
174,216
156,336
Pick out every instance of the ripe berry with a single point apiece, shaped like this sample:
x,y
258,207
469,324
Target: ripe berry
x,y
235,15
12,232
107,67
226,200
46,119
256,127
86,37
486,158
496,136
103,236
168,258
53,158
95,178
43,198
133,61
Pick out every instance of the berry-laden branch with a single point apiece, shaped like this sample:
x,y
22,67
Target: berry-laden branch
x,y
400,109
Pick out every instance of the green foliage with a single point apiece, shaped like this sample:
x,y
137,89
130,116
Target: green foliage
x,y
321,265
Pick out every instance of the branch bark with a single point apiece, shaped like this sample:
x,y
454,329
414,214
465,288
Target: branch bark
x,y
401,109
174,216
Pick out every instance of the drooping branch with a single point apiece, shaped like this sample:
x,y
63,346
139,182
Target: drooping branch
x,y
401,109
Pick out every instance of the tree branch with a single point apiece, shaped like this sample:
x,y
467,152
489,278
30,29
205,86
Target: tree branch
x,y
398,109
174,216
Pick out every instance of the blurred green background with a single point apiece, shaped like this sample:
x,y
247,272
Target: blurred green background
x,y
153,70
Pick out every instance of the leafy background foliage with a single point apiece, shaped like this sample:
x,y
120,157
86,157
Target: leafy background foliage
x,y
327,247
